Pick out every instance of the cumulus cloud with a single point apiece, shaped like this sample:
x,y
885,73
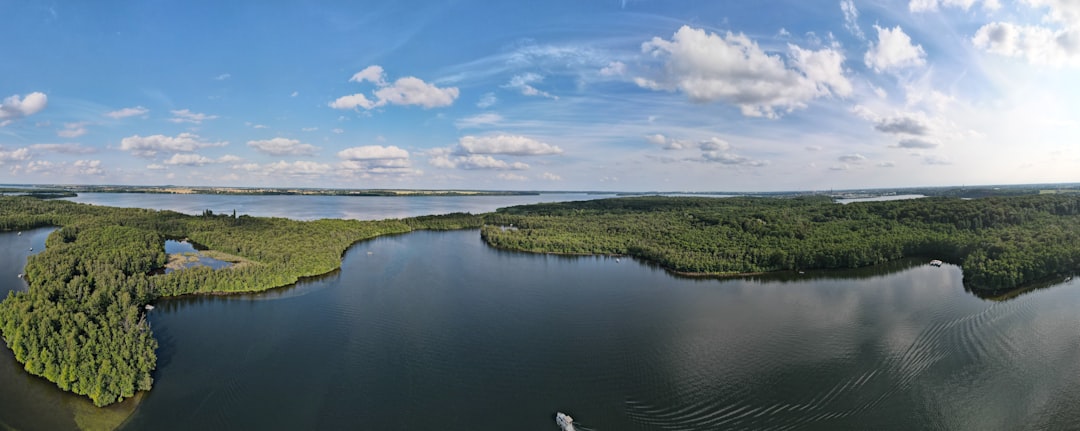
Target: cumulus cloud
x,y
665,142
475,162
852,158
714,144
523,83
893,50
1037,44
732,68
187,160
479,120
186,116
283,147
14,107
63,148
72,130
615,68
726,158
127,112
511,177
904,124
222,77
14,155
299,168
190,159
916,143
149,146
506,144
88,167
371,152
933,5
404,91
550,176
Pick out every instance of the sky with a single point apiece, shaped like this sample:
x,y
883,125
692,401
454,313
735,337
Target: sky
x,y
631,95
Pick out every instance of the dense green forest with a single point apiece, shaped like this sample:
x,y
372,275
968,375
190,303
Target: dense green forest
x,y
82,322
1000,242
82,325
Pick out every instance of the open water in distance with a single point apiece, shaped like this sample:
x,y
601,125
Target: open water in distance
x,y
317,207
435,330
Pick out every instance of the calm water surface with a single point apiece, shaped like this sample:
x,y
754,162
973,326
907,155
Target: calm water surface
x,y
317,207
438,331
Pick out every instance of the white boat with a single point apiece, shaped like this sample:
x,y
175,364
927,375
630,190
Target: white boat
x,y
566,423
936,262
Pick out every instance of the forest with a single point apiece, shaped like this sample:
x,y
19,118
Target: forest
x,y
81,324
1000,242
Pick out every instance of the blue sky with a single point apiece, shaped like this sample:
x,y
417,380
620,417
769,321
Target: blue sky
x,y
557,95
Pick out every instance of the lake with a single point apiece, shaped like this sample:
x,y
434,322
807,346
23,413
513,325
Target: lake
x,y
435,330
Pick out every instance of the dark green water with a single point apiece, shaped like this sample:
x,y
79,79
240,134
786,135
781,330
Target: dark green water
x,y
436,331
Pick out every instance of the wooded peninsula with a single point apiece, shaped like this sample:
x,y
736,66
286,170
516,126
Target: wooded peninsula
x,y
81,324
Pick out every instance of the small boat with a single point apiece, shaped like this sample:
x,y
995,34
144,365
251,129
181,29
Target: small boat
x,y
149,307
20,234
20,275
616,260
936,262
31,248
566,423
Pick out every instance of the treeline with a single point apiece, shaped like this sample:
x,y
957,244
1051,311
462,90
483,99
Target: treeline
x,y
82,325
1001,242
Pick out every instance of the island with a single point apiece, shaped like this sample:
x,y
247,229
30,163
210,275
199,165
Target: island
x,y
82,322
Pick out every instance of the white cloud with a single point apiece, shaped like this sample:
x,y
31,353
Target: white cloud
x,y
936,160
1037,44
294,94
72,130
188,159
479,120
127,112
916,143
309,129
373,74
665,142
338,131
851,18
814,148
511,177
15,107
476,161
615,68
64,148
933,5
727,158
487,100
155,167
299,168
506,144
852,158
191,159
903,124
88,167
404,91
149,146
886,164
14,155
222,77
732,68
186,116
550,176
373,152
282,147
523,83
714,144
893,50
